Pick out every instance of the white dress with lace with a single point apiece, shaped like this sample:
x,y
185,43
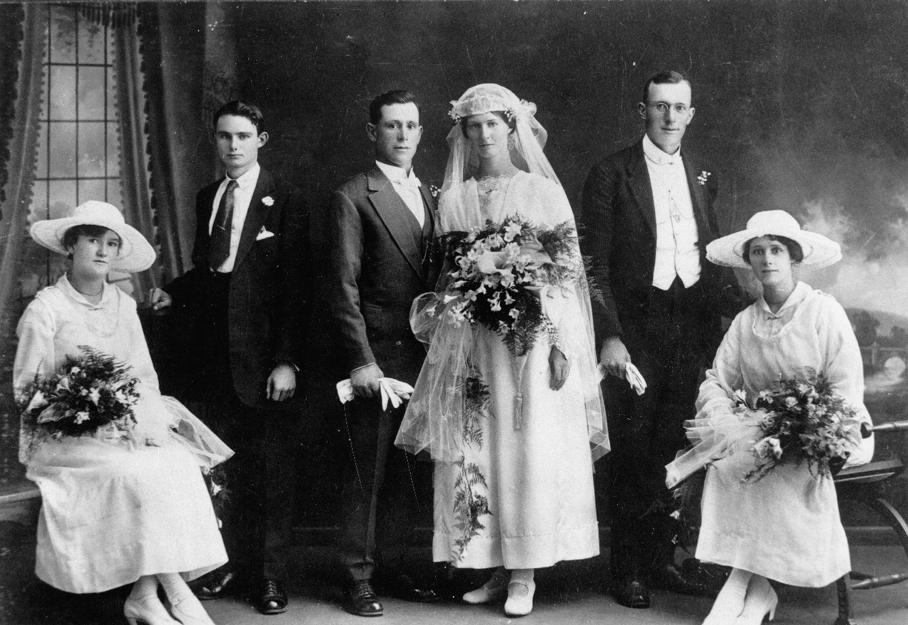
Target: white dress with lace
x,y
785,526
112,513
538,478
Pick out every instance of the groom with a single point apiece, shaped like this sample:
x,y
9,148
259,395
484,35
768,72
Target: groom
x,y
381,256
243,307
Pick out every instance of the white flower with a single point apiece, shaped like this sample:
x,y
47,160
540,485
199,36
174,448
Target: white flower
x,y
740,396
775,447
268,200
215,489
703,176
94,395
512,230
82,416
514,313
38,401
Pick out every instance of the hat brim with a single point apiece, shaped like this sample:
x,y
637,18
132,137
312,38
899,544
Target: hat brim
x,y
819,251
136,253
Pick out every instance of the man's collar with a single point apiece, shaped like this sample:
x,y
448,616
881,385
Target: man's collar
x,y
250,177
393,172
654,153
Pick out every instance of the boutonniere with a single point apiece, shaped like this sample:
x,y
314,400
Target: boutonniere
x,y
703,176
269,201
434,191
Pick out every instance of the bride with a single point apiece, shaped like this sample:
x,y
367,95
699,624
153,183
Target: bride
x,y
514,432
117,508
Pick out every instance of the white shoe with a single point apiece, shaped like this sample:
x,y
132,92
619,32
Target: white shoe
x,y
492,590
761,600
523,604
148,610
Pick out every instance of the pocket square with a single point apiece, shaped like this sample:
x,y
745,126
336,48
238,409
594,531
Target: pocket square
x,y
264,234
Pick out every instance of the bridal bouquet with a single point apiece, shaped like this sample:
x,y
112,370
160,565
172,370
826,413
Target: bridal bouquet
x,y
801,419
88,392
498,272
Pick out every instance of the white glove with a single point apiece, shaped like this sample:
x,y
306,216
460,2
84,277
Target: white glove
x,y
392,390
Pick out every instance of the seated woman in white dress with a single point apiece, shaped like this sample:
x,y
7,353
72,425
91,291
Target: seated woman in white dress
x,y
514,431
784,526
116,509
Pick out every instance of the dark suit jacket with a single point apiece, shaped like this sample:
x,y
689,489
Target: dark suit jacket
x,y
376,269
619,219
269,288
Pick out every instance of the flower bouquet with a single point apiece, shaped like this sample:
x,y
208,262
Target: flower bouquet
x,y
498,272
88,393
802,419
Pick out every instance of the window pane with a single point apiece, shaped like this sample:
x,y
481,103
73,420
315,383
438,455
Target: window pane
x,y
92,190
91,42
91,92
63,35
113,193
91,149
39,202
113,149
62,198
41,169
62,91
62,149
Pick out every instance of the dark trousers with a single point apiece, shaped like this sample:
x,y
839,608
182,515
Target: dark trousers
x,y
380,504
261,476
261,481
647,431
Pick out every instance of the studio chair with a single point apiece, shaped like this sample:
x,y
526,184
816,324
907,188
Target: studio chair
x,y
862,485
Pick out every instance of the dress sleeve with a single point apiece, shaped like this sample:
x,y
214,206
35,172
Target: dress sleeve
x,y
845,369
35,354
716,395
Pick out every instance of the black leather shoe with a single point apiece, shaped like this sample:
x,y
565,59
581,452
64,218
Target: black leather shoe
x,y
360,599
271,598
218,583
670,577
403,587
631,593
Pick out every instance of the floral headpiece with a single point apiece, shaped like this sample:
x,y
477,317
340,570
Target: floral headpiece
x,y
487,98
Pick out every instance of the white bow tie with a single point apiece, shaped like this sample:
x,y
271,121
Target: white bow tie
x,y
408,183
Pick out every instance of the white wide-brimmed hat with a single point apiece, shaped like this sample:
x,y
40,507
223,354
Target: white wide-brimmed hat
x,y
819,251
136,253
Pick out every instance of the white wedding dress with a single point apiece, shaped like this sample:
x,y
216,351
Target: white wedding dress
x,y
113,513
534,450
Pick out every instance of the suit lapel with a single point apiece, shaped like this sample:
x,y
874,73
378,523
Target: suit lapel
x,y
255,216
393,213
641,187
698,198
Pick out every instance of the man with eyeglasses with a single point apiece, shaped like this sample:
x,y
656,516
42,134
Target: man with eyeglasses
x,y
648,213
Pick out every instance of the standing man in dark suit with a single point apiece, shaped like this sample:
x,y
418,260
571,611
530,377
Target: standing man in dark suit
x,y
648,212
381,253
244,308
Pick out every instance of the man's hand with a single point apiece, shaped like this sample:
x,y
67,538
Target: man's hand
x,y
365,380
281,382
560,368
160,298
613,357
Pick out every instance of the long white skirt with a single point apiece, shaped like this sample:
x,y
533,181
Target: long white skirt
x,y
110,514
785,527
539,478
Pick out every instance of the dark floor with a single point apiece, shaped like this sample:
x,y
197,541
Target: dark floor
x,y
569,594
